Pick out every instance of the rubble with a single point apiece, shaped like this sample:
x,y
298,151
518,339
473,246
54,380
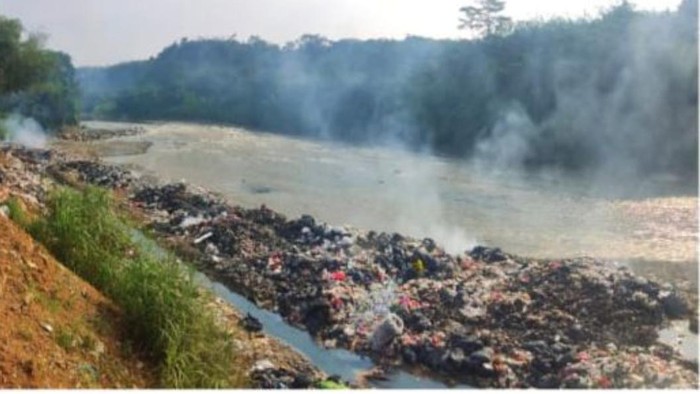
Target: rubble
x,y
486,318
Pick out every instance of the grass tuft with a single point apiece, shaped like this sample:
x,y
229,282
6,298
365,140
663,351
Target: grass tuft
x,y
166,314
65,339
17,214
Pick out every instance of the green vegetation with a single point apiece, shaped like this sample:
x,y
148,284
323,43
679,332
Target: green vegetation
x,y
165,312
35,82
615,92
17,214
65,338
331,385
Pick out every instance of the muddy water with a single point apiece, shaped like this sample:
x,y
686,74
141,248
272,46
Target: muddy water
x,y
422,195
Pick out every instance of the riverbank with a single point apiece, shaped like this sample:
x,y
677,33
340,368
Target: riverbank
x,y
486,318
25,180
57,330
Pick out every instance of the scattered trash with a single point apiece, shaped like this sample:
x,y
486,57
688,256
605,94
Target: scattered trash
x,y
251,324
332,385
262,365
390,328
203,237
486,318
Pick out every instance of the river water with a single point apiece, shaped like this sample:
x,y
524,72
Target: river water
x,y
456,203
422,195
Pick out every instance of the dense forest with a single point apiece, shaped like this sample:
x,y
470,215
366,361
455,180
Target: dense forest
x,y
35,82
614,92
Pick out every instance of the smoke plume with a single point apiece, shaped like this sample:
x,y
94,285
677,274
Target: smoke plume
x,y
24,131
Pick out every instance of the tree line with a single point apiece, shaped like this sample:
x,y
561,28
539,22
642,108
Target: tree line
x,y
618,91
35,82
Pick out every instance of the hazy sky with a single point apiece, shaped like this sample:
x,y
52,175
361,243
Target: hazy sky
x,y
99,32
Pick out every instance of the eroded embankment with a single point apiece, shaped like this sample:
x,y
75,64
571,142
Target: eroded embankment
x,y
57,330
23,182
487,318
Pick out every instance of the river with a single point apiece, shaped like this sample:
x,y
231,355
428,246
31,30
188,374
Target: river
x,y
422,195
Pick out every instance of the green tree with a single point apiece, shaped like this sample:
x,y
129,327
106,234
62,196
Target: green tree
x,y
22,62
483,17
35,82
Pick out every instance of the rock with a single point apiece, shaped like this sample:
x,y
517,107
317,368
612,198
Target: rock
x,y
47,327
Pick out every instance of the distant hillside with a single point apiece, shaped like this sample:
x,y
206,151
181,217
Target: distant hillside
x,y
615,95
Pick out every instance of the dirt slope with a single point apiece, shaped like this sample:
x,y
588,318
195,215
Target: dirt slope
x,y
57,331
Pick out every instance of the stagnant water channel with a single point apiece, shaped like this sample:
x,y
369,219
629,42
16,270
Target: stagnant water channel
x,y
420,195
338,362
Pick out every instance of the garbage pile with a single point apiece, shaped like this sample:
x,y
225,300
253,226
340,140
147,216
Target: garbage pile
x,y
27,173
484,318
84,133
20,172
96,173
267,376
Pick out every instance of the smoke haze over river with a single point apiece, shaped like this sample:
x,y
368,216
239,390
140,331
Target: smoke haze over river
x,y
423,196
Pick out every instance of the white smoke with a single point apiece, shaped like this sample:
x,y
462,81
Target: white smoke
x,y
24,131
509,142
